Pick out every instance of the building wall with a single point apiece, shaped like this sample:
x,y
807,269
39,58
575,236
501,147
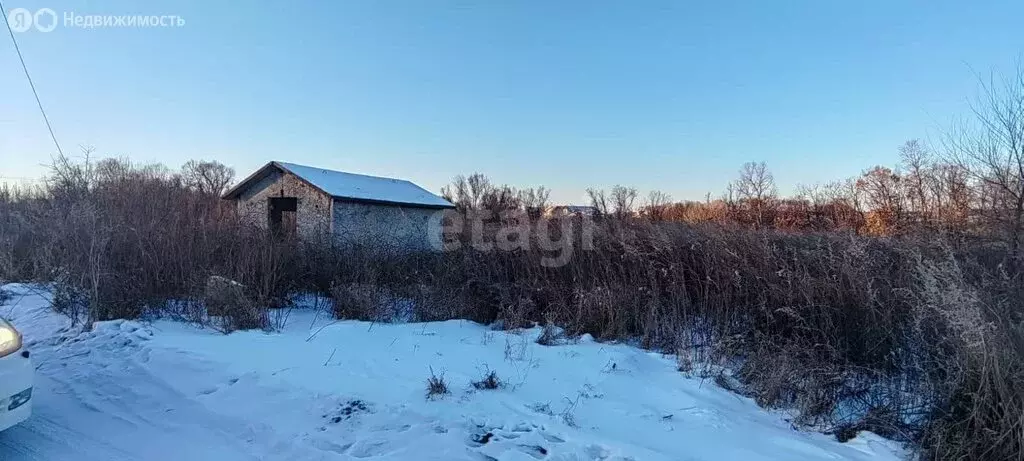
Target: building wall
x,y
313,212
397,227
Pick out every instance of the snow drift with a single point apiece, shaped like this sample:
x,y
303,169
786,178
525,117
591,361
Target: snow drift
x,y
320,389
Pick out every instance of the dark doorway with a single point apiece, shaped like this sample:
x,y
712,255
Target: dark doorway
x,y
282,213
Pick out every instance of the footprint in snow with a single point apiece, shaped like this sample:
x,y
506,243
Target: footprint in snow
x,y
368,448
535,451
392,428
480,439
327,445
354,408
551,438
525,438
211,390
597,452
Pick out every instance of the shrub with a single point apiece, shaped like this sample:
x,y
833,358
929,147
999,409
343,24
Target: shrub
x,y
550,335
684,362
223,296
69,300
436,386
359,301
490,381
230,306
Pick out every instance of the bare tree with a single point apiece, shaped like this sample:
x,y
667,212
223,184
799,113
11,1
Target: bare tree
x,y
207,177
477,193
477,187
500,199
915,159
755,188
623,200
598,200
844,206
450,191
990,148
657,205
882,191
467,193
534,200
953,192
71,179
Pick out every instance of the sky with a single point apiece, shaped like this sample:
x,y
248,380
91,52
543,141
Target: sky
x,y
659,95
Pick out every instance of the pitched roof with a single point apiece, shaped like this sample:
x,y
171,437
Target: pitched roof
x,y
351,186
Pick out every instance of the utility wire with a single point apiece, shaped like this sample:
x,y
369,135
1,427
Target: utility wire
x,y
3,11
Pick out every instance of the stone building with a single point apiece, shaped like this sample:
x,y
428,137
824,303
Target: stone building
x,y
297,200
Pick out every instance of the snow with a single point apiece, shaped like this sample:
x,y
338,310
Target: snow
x,y
357,186
326,390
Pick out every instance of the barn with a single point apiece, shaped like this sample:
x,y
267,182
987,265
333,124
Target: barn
x,y
310,202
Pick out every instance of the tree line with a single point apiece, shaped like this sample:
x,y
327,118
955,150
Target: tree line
x,y
967,183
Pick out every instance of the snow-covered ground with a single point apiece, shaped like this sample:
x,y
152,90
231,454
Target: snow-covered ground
x,y
325,390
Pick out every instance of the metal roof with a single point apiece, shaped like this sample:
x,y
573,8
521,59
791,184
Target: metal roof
x,y
351,186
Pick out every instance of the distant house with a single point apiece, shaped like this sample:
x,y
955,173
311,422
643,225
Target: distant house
x,y
573,210
301,200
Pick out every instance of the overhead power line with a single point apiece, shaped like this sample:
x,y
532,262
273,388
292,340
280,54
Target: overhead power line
x,y
17,49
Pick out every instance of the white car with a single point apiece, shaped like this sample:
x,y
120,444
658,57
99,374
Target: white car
x,y
16,375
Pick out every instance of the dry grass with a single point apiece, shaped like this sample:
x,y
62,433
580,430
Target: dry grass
x,y
920,341
437,387
490,381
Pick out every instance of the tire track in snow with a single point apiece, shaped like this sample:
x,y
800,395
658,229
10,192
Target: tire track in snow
x,y
94,402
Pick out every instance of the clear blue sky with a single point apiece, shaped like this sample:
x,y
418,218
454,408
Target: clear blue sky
x,y
668,95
